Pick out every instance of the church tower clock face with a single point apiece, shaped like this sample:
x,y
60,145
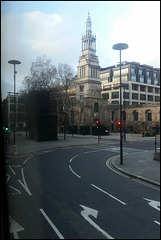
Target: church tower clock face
x,y
88,71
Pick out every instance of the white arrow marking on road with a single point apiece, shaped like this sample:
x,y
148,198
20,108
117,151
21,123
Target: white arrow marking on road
x,y
154,204
16,190
15,227
24,185
89,211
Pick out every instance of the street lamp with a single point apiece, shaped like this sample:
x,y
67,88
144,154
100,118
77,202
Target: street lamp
x,y
120,46
14,62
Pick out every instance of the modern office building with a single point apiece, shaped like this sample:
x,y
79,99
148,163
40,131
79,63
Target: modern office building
x,y
140,83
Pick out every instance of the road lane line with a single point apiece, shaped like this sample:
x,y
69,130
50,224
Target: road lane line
x,y
27,159
157,222
74,172
73,158
51,224
12,170
108,194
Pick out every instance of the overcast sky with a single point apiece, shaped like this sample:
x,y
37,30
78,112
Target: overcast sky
x,y
54,28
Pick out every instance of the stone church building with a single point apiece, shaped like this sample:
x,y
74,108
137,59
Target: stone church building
x,y
88,105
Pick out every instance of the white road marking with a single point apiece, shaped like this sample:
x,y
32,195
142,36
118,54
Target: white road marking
x,y
17,191
73,158
154,204
12,170
89,211
15,227
8,177
16,166
51,224
24,185
108,194
27,159
74,172
157,222
98,150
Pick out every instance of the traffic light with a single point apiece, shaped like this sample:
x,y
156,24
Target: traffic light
x,y
97,123
119,125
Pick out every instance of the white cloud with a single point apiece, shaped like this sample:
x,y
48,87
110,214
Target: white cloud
x,y
33,34
140,29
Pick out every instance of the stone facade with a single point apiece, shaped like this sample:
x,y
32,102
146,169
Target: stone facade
x,y
89,105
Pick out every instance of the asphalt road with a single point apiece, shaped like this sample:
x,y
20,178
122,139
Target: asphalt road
x,y
70,193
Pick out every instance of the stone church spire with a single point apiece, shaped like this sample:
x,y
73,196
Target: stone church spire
x,y
88,83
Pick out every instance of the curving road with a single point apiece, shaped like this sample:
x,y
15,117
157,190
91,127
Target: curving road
x,y
70,193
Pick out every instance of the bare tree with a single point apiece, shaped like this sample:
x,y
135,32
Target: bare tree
x,y
65,74
43,75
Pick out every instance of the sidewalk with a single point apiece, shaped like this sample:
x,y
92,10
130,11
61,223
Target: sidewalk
x,y
139,165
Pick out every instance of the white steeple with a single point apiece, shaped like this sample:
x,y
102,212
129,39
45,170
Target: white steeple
x,y
88,83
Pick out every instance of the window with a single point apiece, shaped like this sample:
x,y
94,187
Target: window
x,y
157,90
154,75
140,72
135,116
133,78
124,78
115,95
115,102
116,79
116,86
150,89
142,88
142,79
96,107
134,96
155,82
134,103
134,87
149,80
147,73
104,75
123,71
126,103
133,70
148,115
125,95
150,98
142,97
157,98
105,96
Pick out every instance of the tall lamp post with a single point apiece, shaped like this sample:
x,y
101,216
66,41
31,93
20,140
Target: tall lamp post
x,y
120,46
14,62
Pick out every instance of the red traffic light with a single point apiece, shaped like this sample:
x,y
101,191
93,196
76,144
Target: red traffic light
x,y
97,121
119,123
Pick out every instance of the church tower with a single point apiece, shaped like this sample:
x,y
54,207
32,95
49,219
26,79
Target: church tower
x,y
88,83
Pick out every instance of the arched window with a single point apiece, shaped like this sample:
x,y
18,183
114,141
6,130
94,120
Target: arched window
x,y
96,109
148,116
135,115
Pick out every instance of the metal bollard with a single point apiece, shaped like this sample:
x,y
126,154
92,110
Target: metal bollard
x,y
155,143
